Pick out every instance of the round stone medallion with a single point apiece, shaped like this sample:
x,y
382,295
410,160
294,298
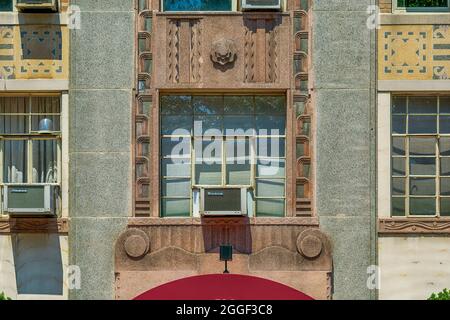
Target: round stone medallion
x,y
136,246
310,246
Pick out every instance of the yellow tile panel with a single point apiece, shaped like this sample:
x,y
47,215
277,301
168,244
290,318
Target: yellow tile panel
x,y
34,52
414,52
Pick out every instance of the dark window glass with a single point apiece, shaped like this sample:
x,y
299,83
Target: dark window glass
x,y
422,3
197,5
6,5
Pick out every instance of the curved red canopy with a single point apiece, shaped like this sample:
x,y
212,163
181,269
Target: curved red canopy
x,y
223,287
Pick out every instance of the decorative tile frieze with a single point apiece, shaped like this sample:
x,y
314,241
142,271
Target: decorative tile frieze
x,y
413,226
414,52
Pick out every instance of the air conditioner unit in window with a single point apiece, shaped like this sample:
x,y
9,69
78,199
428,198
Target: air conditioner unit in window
x,y
29,200
223,202
37,5
261,4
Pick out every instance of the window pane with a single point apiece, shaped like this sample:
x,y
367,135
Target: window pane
x,y
208,174
197,5
422,146
444,146
176,188
271,125
398,166
176,105
422,105
422,3
399,105
45,161
271,168
176,125
422,124
271,147
238,163
270,208
14,124
422,166
270,105
444,124
176,147
6,5
239,174
176,167
398,186
54,122
398,207
208,105
445,166
399,124
239,105
398,146
422,206
444,105
445,207
270,188
15,161
208,125
45,105
422,186
445,186
175,207
239,125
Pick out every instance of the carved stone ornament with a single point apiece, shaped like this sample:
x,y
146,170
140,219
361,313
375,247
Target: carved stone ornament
x,y
136,243
223,52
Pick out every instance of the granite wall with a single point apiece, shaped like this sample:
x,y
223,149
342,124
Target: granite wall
x,y
101,93
344,86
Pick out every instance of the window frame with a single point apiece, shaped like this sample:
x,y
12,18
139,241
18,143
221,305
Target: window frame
x,y
32,136
14,8
399,9
407,176
253,140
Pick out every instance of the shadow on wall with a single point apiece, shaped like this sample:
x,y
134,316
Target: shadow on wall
x,y
38,264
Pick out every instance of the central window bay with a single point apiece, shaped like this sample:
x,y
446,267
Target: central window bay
x,y
223,141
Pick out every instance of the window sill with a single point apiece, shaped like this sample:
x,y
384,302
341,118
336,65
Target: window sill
x,y
300,221
413,226
432,18
33,225
219,13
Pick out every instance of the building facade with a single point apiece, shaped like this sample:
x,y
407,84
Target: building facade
x,y
137,116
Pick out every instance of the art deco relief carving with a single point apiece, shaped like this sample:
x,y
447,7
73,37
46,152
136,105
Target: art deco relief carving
x,y
180,47
414,226
261,50
223,52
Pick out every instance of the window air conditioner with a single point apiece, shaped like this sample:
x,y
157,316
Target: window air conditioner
x,y
37,5
223,202
29,200
261,4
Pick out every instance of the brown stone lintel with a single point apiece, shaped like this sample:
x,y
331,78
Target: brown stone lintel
x,y
298,221
404,226
34,225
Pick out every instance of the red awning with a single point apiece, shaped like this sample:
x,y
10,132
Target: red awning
x,y
223,287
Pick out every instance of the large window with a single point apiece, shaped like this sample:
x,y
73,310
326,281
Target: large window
x,y
423,5
198,5
421,156
223,141
30,140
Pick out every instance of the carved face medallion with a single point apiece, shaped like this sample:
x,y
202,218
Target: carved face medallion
x,y
223,51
